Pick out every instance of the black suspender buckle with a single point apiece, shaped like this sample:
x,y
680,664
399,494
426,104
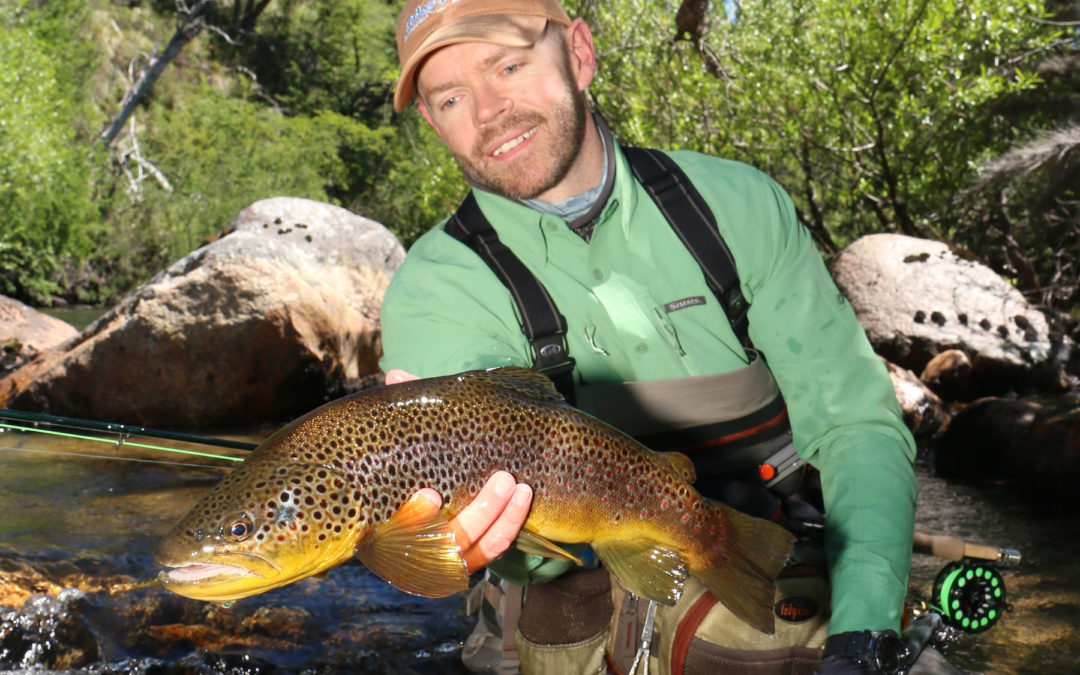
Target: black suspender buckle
x,y
552,358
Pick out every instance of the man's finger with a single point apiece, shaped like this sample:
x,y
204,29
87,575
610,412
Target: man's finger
x,y
500,536
475,519
398,375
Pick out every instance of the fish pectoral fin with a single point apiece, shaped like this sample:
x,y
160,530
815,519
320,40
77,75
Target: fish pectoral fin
x,y
415,551
532,543
646,567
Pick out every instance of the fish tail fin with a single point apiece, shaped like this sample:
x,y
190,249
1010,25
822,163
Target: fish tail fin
x,y
742,572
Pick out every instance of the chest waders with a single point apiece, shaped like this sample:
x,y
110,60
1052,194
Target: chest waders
x,y
734,426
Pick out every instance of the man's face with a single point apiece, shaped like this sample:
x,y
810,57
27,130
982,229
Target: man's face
x,y
514,118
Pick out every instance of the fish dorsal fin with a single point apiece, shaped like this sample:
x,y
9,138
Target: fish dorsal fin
x,y
416,551
533,543
646,567
681,465
522,381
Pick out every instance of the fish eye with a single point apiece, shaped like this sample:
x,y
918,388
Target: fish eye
x,y
239,529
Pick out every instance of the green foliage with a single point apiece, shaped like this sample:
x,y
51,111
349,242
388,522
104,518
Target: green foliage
x,y
875,114
46,208
872,113
339,55
218,154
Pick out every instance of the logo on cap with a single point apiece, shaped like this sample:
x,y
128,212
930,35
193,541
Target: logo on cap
x,y
422,13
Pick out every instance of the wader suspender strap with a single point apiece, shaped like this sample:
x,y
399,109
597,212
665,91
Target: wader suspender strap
x,y
543,324
541,321
692,219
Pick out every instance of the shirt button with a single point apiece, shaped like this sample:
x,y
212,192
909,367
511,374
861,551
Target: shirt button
x,y
641,348
598,274
550,226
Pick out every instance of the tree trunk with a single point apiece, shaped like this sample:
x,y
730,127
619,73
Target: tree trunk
x,y
185,33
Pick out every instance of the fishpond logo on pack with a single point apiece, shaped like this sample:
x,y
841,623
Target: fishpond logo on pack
x,y
796,609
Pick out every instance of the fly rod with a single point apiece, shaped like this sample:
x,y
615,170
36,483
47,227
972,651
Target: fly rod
x,y
116,428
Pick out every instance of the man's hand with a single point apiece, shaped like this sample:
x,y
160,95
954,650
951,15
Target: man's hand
x,y
485,528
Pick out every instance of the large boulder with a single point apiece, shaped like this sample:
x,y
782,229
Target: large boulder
x,y
266,322
26,332
918,298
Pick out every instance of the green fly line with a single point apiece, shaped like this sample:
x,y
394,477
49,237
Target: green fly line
x,y
119,442
69,453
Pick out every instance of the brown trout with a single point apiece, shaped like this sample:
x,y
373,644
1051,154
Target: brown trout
x,y
337,483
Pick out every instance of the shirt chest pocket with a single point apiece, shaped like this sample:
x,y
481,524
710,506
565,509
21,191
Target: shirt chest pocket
x,y
631,320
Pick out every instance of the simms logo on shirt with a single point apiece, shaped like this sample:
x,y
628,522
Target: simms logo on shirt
x,y
676,305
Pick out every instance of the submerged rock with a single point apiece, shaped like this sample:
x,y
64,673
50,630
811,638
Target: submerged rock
x,y
918,298
1030,445
262,324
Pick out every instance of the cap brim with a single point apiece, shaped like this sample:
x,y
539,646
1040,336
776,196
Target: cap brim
x,y
499,29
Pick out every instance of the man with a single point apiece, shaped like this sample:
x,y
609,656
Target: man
x,y
503,85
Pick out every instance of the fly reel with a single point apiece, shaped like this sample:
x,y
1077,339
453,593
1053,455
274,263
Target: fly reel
x,y
970,595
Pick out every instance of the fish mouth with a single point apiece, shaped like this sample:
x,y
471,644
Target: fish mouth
x,y
198,572
225,576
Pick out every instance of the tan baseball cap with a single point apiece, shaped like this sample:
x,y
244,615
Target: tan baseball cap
x,y
427,25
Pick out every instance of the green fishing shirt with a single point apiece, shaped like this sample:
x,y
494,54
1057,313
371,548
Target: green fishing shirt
x,y
446,312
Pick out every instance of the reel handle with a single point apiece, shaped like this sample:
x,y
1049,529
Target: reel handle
x,y
955,548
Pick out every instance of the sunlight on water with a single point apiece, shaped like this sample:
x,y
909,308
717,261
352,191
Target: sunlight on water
x,y
1042,632
77,593
77,585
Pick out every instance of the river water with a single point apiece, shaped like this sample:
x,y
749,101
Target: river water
x,y
77,535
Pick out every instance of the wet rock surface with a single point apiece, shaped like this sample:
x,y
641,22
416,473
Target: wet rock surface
x,y
925,414
949,374
264,323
